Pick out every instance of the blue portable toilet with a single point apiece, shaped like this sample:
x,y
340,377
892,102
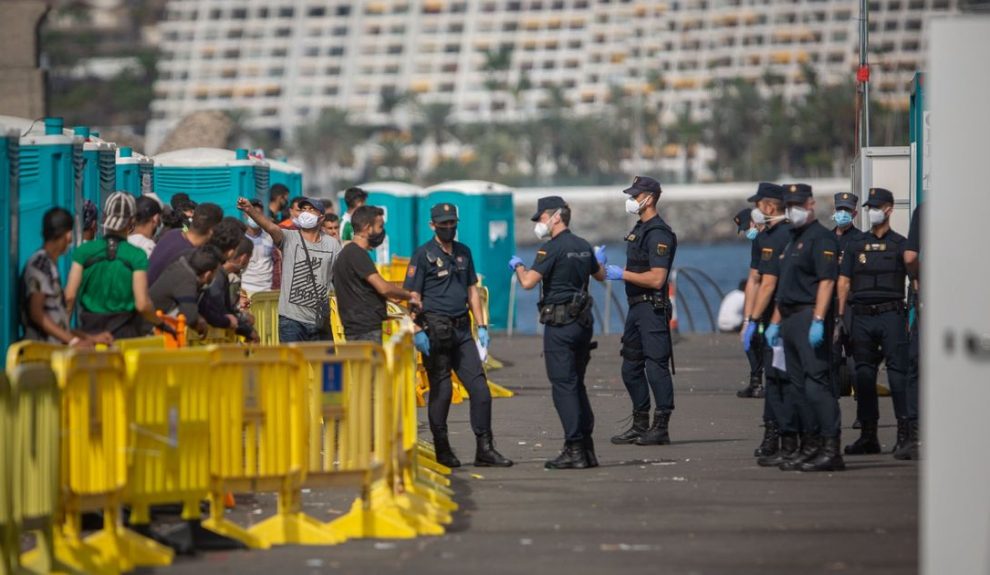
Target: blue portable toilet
x,y
49,174
9,145
135,172
286,174
487,226
211,175
400,202
99,167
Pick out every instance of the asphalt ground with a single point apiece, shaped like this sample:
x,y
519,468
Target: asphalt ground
x,y
698,506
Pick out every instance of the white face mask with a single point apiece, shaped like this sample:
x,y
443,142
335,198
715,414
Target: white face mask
x,y
877,216
757,216
633,207
542,229
797,215
306,221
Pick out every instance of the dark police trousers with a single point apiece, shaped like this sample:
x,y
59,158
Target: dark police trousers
x,y
914,355
779,402
646,358
462,357
755,357
566,351
816,398
877,337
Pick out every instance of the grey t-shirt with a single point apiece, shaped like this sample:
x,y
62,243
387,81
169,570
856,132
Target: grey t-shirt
x,y
297,300
41,276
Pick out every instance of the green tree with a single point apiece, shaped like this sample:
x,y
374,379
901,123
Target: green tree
x,y
328,143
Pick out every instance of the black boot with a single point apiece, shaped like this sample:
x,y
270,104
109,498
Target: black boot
x,y
445,455
829,457
754,389
910,448
657,433
788,449
573,456
809,450
903,432
486,456
771,440
640,421
867,444
589,451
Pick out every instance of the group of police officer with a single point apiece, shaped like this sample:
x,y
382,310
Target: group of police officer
x,y
812,294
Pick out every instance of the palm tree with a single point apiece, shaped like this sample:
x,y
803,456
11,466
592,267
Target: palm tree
x,y
327,143
688,134
497,64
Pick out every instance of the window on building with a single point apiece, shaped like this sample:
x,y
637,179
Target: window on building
x,y
283,32
313,51
912,25
489,7
890,25
316,11
339,31
336,51
910,46
843,16
286,12
330,91
510,26
455,27
276,72
343,10
452,48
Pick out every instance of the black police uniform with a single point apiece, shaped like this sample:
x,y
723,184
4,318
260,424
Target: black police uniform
x,y
811,257
647,347
909,448
442,279
755,352
875,268
841,346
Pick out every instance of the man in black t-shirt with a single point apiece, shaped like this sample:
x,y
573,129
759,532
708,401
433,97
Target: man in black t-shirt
x,y
361,291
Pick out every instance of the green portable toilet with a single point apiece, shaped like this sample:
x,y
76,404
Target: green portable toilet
x,y
211,175
284,173
400,202
487,226
9,149
134,172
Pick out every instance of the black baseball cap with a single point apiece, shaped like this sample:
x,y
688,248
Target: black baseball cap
x,y
444,212
846,200
767,190
796,193
643,185
879,197
182,202
315,203
548,203
743,219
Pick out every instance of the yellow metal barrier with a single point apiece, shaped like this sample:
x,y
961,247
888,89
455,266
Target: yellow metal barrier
x,y
395,271
94,471
170,426
24,352
213,336
264,307
150,342
9,539
34,441
258,430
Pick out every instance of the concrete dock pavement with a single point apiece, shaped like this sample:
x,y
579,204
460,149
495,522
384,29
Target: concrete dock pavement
x,y
698,506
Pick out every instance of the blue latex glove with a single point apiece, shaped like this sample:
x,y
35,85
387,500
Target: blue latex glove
x,y
613,273
816,334
600,255
483,337
422,342
748,334
772,334
514,262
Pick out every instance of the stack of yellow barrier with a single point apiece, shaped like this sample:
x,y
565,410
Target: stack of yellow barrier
x,y
264,307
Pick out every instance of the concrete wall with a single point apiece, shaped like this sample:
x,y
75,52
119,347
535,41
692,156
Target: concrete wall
x,y
22,84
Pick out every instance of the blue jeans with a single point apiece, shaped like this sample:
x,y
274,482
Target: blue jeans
x,y
374,336
290,330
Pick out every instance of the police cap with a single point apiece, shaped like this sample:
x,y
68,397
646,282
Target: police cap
x,y
643,185
797,193
878,197
444,212
846,200
548,203
767,191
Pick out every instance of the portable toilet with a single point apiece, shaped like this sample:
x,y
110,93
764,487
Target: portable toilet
x,y
211,175
99,168
487,226
9,145
286,174
134,172
49,174
400,201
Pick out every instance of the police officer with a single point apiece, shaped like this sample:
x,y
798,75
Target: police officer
x,y
441,275
745,224
647,348
780,421
871,281
912,261
808,271
845,212
564,264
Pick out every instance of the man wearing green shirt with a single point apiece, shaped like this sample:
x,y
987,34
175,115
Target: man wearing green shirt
x,y
354,198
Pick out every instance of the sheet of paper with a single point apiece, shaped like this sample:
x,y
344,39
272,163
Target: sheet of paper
x,y
482,351
778,358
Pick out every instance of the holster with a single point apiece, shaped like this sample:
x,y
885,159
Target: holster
x,y
578,309
441,330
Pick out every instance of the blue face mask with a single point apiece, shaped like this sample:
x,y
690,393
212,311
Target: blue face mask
x,y
751,234
842,218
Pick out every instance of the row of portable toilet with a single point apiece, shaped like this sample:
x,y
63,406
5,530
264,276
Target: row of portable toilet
x,y
486,225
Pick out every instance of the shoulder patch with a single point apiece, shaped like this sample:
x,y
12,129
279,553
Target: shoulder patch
x,y
662,249
411,271
541,255
766,254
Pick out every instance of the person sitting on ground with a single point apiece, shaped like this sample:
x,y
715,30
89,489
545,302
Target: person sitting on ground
x,y
45,317
180,286
361,291
258,275
175,243
331,225
149,216
109,277
354,198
